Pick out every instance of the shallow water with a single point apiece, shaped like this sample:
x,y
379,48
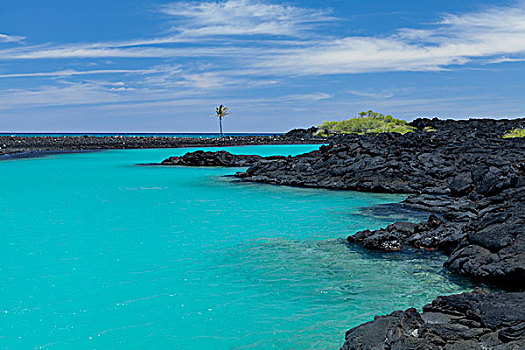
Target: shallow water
x,y
97,252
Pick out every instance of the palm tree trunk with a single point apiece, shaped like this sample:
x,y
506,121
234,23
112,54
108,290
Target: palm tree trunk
x,y
220,125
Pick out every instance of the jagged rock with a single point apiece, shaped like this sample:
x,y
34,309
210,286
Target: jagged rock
x,y
461,184
477,320
305,134
459,159
220,158
427,235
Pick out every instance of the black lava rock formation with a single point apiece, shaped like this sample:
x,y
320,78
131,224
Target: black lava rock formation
x,y
470,321
304,134
454,160
220,158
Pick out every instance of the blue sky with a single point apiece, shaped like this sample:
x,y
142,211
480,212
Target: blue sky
x,y
134,65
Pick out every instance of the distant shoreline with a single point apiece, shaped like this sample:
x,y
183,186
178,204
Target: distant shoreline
x,y
138,134
35,146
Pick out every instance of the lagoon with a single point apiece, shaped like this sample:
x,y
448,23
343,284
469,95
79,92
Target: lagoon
x,y
98,252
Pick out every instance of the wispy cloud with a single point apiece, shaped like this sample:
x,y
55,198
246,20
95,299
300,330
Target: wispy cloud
x,y
70,72
489,35
311,97
85,93
374,94
4,38
455,40
242,17
506,59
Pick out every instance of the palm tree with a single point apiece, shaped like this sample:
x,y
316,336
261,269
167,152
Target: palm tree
x,y
221,111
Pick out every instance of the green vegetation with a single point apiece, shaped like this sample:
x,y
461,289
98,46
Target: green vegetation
x,y
429,129
518,132
221,111
366,123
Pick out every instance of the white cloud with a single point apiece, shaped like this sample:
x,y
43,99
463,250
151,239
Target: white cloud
x,y
4,38
310,97
491,36
70,72
373,95
505,60
121,50
242,17
84,93
455,40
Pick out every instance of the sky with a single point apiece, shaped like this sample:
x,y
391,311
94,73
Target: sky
x,y
163,66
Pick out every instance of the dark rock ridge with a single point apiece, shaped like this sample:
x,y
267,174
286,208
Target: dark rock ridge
x,y
485,238
15,144
478,320
304,134
454,160
220,158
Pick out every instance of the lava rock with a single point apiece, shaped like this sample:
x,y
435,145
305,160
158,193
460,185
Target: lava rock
x,y
477,320
34,145
220,158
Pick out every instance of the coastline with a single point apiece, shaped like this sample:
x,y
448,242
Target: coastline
x,y
35,146
472,183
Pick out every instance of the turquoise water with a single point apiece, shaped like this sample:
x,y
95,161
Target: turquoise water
x,y
96,252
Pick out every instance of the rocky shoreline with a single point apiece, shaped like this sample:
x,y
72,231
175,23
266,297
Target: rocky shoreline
x,y
12,145
472,182
471,321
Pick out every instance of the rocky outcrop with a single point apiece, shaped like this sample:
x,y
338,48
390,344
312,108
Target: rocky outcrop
x,y
493,248
220,158
395,236
453,161
485,238
469,321
302,134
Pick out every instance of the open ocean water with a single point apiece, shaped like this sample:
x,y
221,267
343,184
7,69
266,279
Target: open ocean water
x,y
99,253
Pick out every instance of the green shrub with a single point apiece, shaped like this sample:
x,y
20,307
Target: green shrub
x,y
518,132
367,123
429,129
